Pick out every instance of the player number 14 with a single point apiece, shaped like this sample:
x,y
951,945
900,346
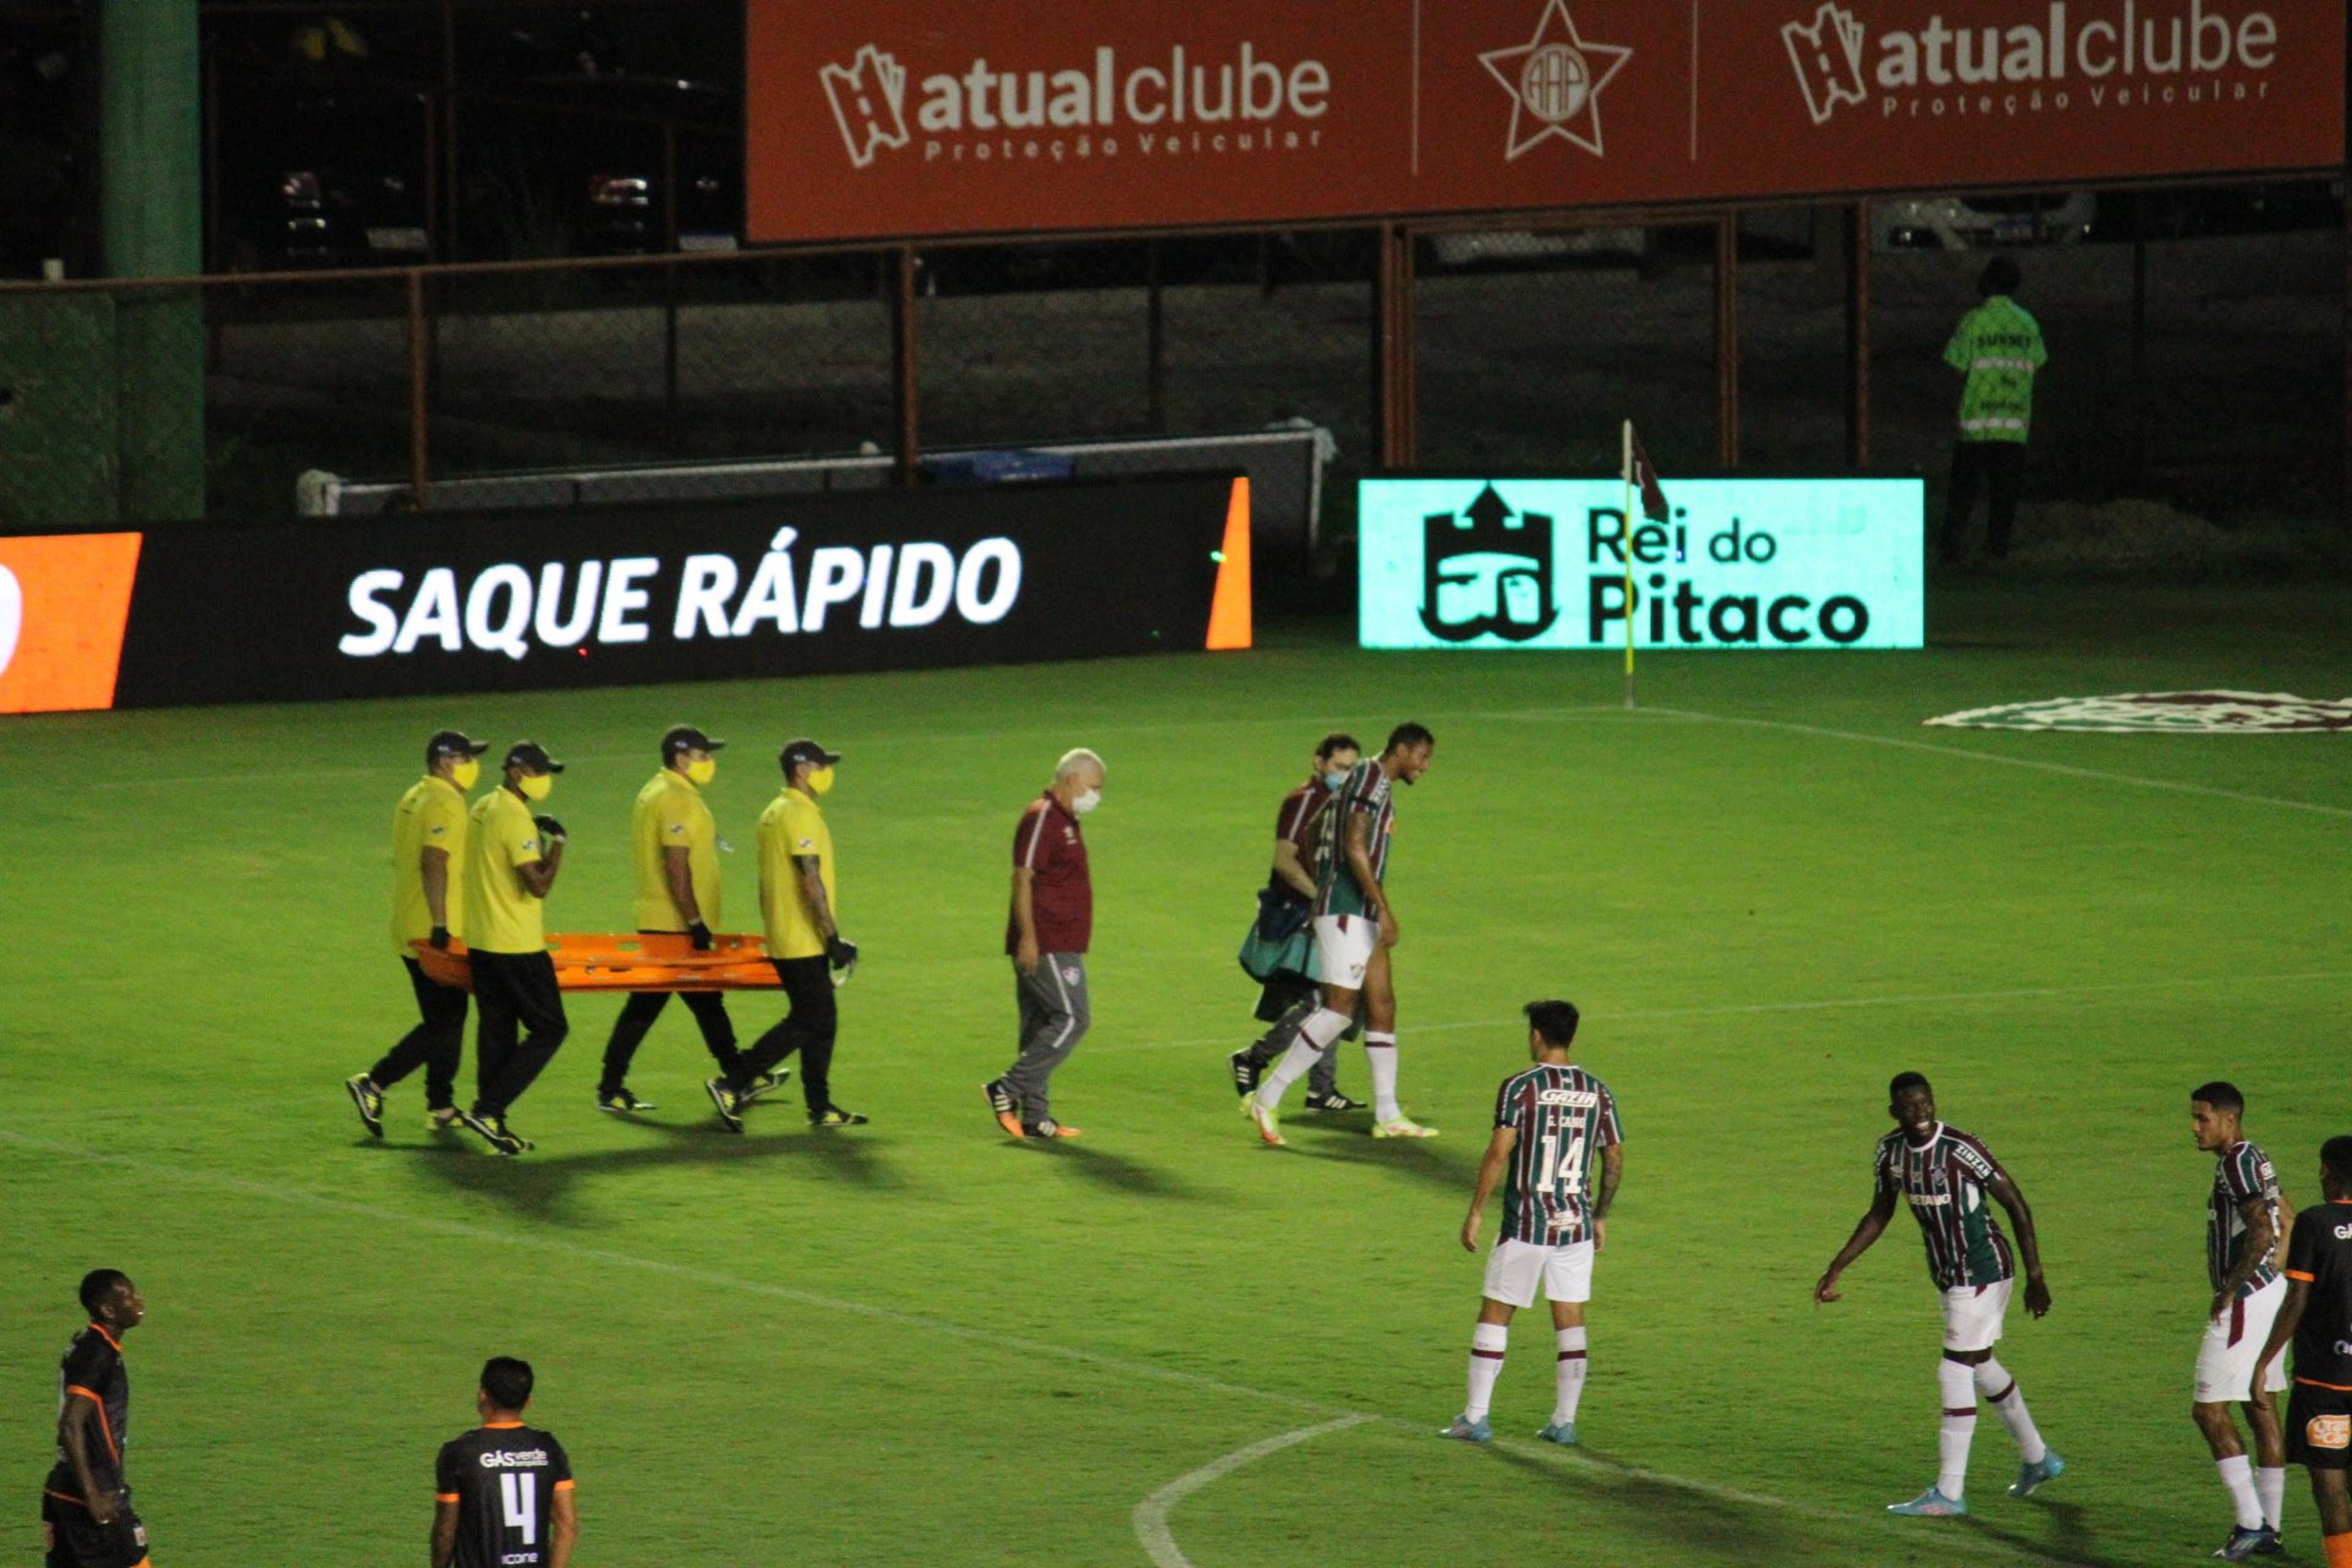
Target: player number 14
x,y
520,1493
1564,1173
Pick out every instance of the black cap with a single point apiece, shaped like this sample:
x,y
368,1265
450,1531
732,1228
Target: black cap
x,y
533,755
804,750
686,738
452,743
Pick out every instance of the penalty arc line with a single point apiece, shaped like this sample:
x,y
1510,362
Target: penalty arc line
x,y
1120,1366
1151,1516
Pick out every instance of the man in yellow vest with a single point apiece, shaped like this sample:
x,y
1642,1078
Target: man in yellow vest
x,y
674,848
511,860
428,836
1998,348
804,942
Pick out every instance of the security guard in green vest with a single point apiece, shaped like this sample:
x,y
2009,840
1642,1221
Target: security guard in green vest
x,y
1998,348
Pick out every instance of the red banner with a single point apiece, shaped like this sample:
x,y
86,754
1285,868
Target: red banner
x,y
902,118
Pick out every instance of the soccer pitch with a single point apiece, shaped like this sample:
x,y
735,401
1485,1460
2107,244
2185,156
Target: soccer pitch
x,y
916,1342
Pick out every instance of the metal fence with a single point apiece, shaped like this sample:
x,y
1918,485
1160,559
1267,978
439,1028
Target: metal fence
x,y
2208,369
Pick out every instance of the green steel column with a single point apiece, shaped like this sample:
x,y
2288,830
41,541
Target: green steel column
x,y
152,221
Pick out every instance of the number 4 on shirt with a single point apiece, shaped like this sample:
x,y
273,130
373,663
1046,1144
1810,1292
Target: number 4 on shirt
x,y
520,1493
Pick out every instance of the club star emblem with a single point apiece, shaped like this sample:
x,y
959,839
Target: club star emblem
x,y
1555,80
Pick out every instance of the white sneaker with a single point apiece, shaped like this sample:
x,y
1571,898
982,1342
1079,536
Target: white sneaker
x,y
1403,1127
1269,1125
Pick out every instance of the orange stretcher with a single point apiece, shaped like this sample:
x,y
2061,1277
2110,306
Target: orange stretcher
x,y
630,962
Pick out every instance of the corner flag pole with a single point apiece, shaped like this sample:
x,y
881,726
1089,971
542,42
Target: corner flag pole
x,y
1629,562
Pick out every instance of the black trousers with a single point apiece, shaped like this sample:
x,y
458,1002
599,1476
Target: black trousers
x,y
511,988
808,1028
434,1045
637,1015
1994,467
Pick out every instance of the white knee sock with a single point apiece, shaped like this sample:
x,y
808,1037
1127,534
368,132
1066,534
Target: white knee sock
x,y
1486,1343
2270,1486
2000,1391
1380,1056
1572,1377
1959,1428
2238,1478
1314,1036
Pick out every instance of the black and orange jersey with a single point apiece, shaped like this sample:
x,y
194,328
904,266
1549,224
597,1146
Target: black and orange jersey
x,y
503,1477
93,1370
2319,1257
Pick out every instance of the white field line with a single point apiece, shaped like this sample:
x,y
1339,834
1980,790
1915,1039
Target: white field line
x,y
1121,1366
1819,1004
2064,770
1058,734
1151,1514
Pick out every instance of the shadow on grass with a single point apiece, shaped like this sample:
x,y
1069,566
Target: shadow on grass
x,y
542,1183
1727,1529
1449,1166
1740,1531
1114,1172
2068,1539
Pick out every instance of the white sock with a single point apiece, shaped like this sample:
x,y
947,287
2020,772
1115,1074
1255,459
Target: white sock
x,y
1571,1376
2269,1486
1958,1430
1314,1036
1486,1343
1999,1390
1379,1055
2238,1477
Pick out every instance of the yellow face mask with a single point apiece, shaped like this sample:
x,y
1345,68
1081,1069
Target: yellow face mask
x,y
537,786
466,774
820,780
703,772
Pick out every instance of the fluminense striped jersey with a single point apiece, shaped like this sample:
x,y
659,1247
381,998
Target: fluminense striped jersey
x,y
2241,1176
1564,1117
1947,1180
1366,793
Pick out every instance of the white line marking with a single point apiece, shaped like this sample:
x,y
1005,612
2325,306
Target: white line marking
x,y
870,743
1342,1415
1151,1514
1918,999
2064,770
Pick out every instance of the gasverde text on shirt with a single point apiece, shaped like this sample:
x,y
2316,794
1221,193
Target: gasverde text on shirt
x,y
504,608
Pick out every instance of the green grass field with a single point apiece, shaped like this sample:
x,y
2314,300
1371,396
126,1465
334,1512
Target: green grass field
x,y
917,1343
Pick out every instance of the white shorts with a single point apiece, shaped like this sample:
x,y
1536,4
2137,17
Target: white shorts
x,y
1343,949
1972,1315
2225,1361
1515,1268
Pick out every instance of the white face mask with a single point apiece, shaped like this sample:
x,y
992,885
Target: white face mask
x,y
1087,802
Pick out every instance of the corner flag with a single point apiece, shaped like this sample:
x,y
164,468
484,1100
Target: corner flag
x,y
1643,473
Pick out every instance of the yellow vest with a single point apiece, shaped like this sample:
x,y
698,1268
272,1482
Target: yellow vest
x,y
792,826
671,815
501,914
431,816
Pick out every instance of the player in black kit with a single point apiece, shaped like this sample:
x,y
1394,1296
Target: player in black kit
x,y
502,1497
86,1516
2317,1315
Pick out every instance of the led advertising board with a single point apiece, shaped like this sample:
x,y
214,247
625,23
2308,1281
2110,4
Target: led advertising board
x,y
1541,563
905,118
603,596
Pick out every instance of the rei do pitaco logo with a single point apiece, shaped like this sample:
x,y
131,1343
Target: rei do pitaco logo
x,y
1555,80
2099,56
